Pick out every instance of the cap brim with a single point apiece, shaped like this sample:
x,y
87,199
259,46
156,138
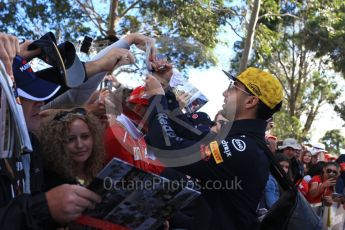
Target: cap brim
x,y
50,52
51,75
74,69
75,73
286,146
39,90
229,75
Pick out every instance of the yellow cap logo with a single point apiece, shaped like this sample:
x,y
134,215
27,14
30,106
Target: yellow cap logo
x,y
262,84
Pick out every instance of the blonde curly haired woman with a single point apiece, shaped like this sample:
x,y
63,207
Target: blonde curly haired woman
x,y
72,148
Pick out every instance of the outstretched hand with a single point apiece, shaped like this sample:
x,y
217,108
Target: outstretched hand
x,y
9,48
144,43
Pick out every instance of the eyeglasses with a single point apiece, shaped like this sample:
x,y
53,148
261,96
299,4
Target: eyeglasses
x,y
330,171
61,115
233,85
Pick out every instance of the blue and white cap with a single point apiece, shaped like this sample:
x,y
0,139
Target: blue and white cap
x,y
30,86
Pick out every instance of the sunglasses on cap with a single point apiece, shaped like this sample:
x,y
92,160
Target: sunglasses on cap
x,y
330,171
61,115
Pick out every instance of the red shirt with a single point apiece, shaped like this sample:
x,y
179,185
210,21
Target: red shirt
x,y
325,192
303,187
119,143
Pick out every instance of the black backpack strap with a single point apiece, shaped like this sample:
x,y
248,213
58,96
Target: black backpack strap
x,y
276,170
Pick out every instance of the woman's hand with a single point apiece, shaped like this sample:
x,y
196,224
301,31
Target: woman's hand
x,y
328,183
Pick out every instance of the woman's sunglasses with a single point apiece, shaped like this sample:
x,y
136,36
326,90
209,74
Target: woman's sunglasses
x,y
61,115
330,171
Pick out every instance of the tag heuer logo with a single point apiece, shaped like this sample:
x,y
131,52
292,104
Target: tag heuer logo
x,y
255,89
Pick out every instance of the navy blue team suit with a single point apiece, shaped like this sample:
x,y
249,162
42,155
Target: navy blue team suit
x,y
233,161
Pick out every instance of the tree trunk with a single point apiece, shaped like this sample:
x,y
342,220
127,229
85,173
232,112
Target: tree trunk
x,y
113,14
250,35
311,117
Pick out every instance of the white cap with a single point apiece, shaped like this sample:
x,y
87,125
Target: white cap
x,y
317,148
290,142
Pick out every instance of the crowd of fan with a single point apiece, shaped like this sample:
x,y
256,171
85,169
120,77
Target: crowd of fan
x,y
317,173
75,131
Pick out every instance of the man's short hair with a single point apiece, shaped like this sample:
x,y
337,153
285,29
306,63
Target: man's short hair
x,y
264,113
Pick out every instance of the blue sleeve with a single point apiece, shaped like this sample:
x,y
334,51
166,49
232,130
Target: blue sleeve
x,y
271,192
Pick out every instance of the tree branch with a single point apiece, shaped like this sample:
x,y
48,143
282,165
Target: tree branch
x,y
301,72
97,20
275,73
284,67
234,29
129,8
232,11
113,15
279,15
250,35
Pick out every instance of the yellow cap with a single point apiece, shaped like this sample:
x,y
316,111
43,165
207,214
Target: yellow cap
x,y
263,85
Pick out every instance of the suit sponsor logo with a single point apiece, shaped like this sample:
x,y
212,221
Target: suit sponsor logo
x,y
239,145
163,121
215,152
226,148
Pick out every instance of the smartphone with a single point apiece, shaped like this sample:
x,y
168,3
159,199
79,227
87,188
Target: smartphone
x,y
86,44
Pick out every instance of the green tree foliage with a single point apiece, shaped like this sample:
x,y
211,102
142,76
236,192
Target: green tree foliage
x,y
286,126
33,18
334,141
282,48
325,32
191,26
340,109
186,31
